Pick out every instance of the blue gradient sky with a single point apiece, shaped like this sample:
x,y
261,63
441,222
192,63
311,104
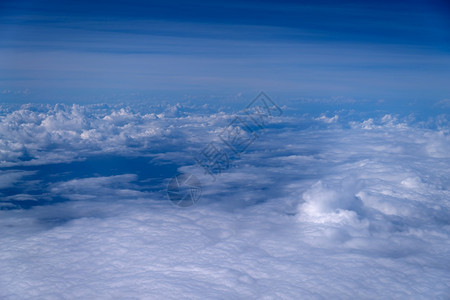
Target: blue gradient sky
x,y
82,51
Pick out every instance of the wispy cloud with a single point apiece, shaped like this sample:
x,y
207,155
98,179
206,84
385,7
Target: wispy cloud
x,y
358,50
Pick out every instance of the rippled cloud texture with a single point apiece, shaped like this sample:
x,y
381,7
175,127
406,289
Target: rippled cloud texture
x,y
335,205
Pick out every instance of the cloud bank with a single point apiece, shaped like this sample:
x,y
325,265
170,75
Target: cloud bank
x,y
326,205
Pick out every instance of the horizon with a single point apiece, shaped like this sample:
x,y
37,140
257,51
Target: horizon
x,y
84,52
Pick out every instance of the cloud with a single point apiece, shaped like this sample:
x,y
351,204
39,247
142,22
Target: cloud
x,y
62,133
9,178
353,208
327,120
69,58
444,103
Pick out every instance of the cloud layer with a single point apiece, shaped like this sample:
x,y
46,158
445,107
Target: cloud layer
x,y
320,206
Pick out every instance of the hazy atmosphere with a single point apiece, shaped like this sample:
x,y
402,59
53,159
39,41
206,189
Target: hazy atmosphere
x,y
224,150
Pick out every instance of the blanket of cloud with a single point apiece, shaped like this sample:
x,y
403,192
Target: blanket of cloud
x,y
322,205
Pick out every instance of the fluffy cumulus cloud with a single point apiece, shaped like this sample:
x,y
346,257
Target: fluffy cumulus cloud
x,y
319,206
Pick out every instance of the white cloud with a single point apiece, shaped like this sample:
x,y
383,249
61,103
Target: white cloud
x,y
327,120
337,211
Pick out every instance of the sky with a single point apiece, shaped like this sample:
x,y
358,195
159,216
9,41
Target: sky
x,y
332,183
85,51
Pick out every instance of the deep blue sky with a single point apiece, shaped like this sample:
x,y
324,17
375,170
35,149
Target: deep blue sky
x,y
122,50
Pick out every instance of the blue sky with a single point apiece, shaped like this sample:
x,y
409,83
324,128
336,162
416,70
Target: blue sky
x,y
344,195
84,51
